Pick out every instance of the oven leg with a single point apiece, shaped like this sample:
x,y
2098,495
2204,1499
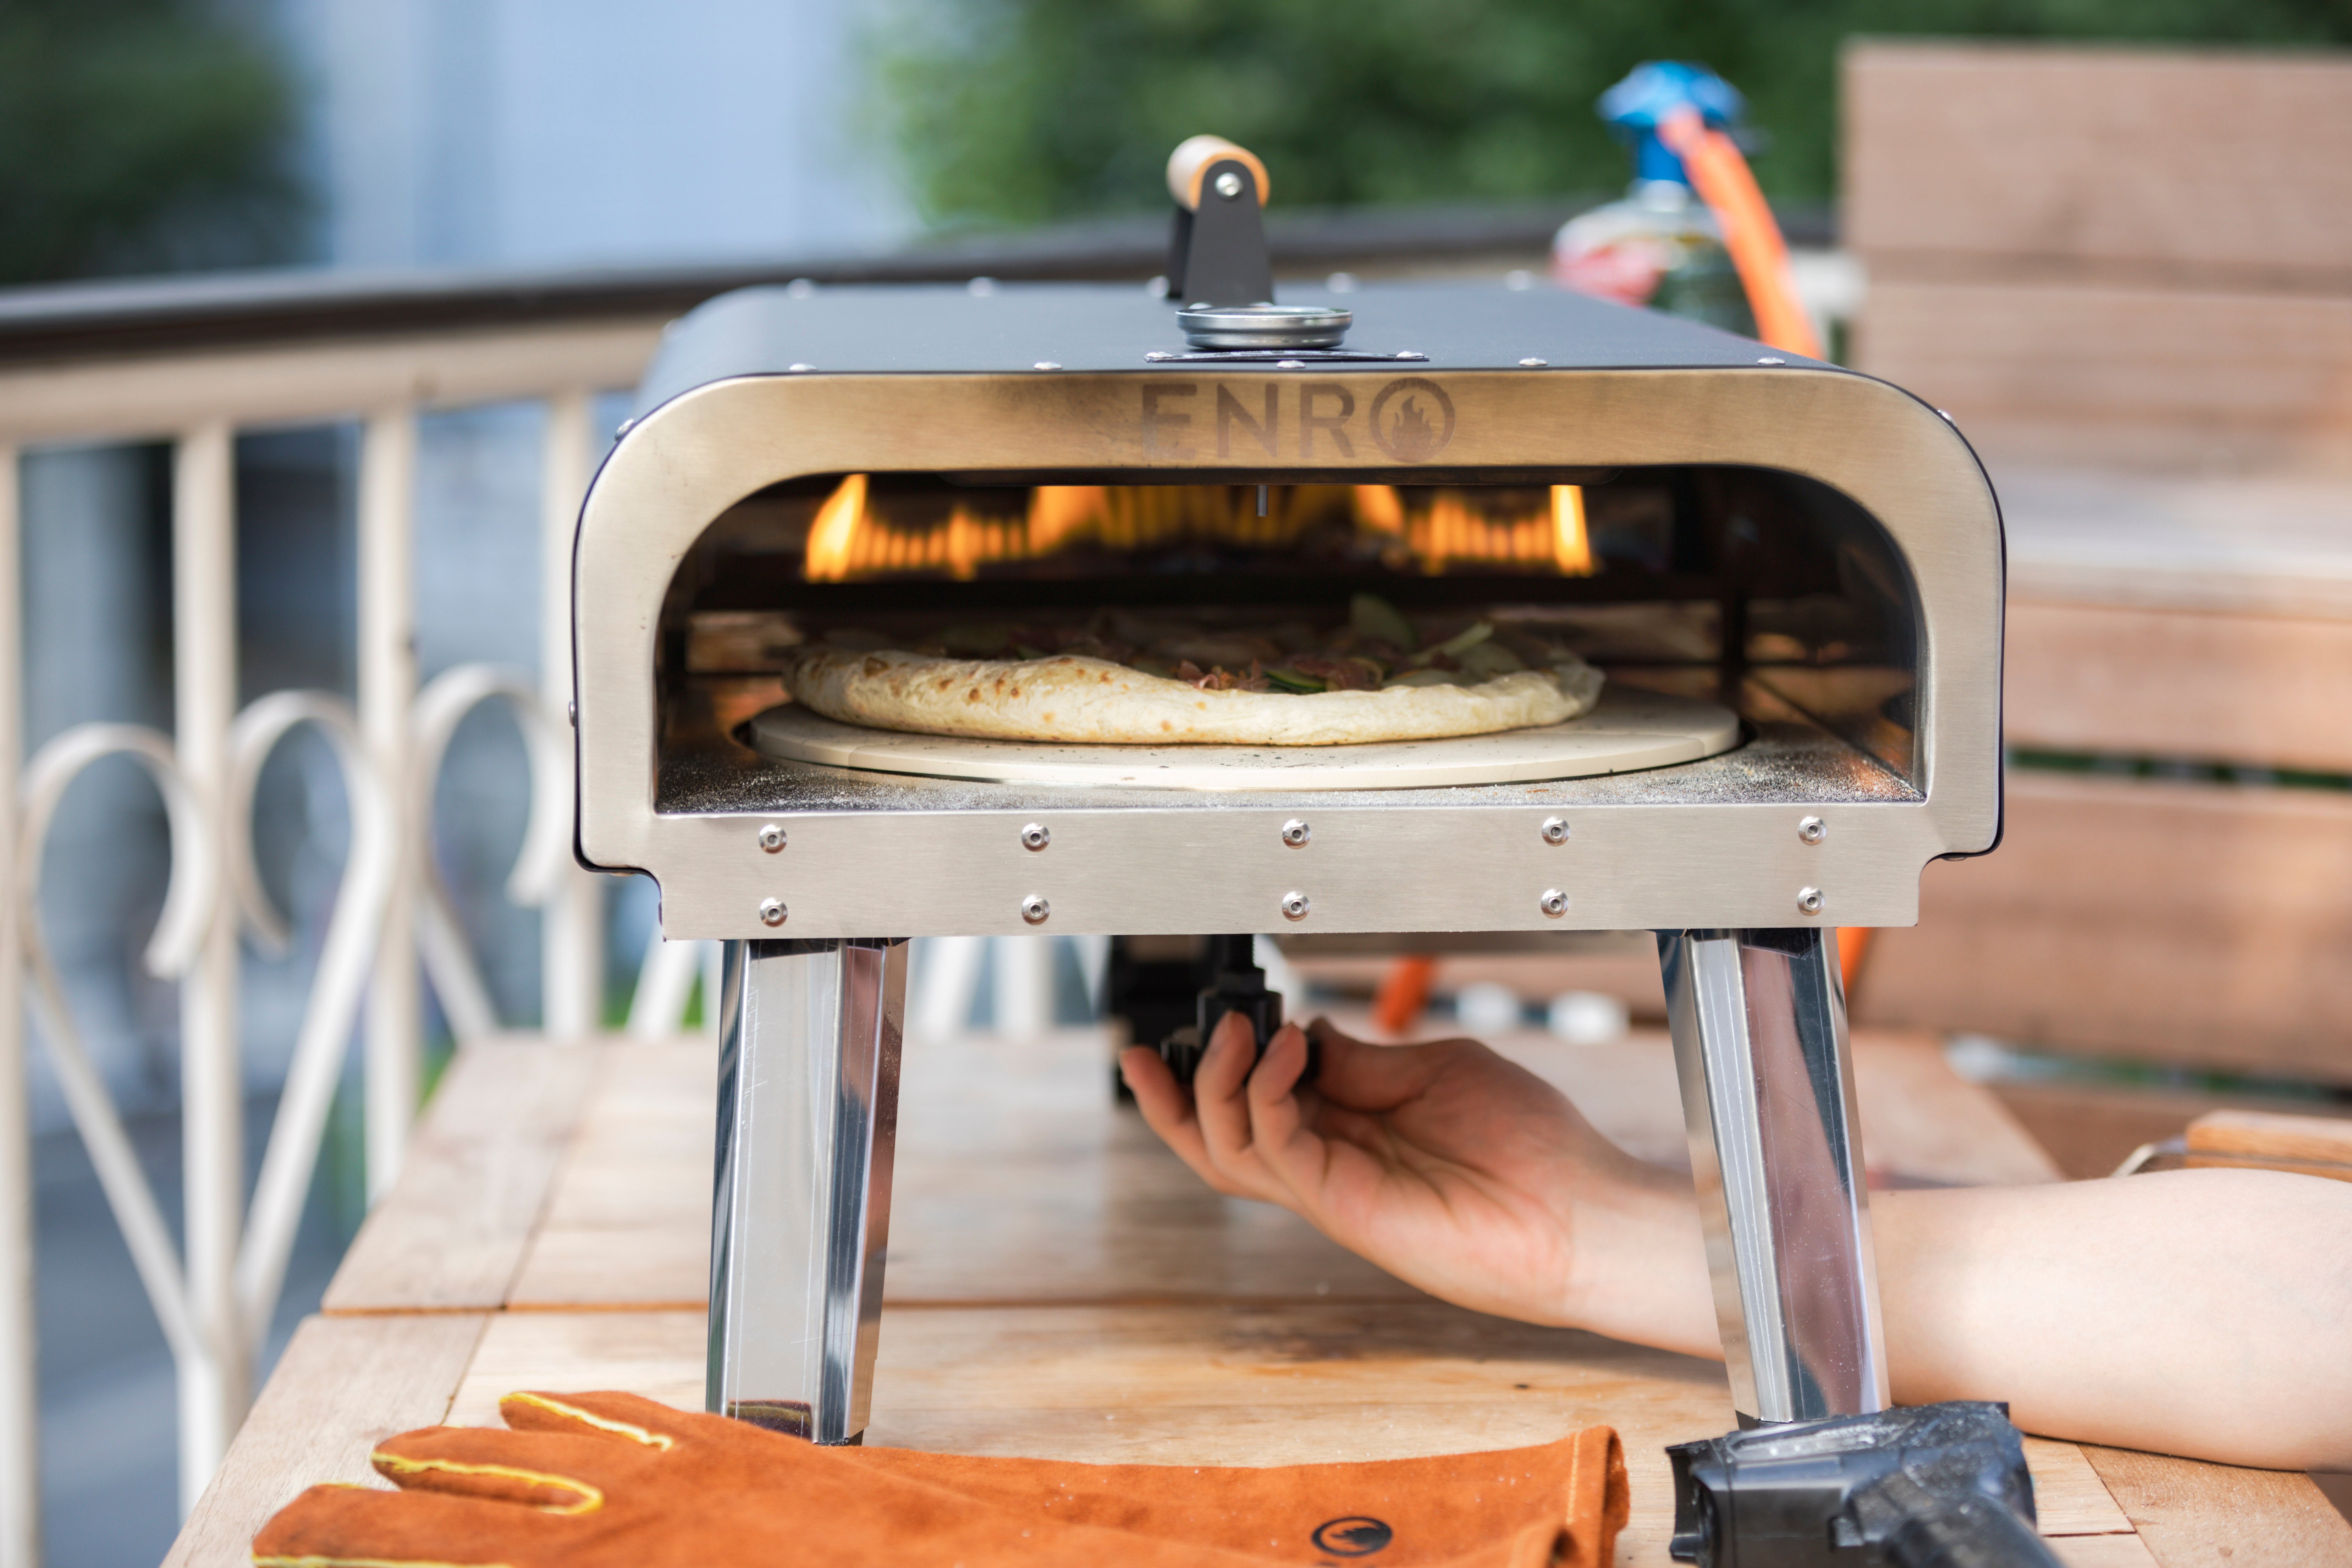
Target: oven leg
x,y
1759,1021
808,1115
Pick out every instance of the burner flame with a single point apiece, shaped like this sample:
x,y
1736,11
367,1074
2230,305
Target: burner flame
x,y
832,538
847,539
1572,547
1454,528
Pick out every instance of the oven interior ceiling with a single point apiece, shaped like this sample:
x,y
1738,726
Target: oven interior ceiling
x,y
1768,590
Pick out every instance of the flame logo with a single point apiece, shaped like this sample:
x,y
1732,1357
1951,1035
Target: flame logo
x,y
1410,433
1355,1536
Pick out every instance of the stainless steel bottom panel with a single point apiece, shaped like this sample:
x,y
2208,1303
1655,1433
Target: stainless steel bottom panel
x,y
1725,841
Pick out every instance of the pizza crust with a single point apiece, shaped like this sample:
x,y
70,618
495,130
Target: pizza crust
x,y
1072,698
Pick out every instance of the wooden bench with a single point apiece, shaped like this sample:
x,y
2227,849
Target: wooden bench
x,y
1059,1285
2137,259
2127,275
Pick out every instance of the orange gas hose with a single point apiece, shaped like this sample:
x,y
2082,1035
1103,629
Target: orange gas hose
x,y
1854,942
1724,181
1721,177
1403,992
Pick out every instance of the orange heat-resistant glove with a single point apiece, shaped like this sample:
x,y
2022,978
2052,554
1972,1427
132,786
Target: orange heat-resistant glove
x,y
603,1480
1560,1504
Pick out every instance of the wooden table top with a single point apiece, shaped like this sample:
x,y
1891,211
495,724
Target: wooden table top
x,y
1059,1285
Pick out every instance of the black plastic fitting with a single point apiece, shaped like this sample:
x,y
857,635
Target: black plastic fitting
x,y
1936,1486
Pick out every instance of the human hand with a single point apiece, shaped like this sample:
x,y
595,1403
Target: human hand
x,y
1450,1167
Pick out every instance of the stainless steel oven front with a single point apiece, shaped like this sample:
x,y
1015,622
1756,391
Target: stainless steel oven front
x,y
1815,553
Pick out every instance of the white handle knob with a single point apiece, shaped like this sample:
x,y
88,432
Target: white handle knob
x,y
1189,165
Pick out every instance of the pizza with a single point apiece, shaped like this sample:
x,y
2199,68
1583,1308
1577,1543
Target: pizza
x,y
1140,678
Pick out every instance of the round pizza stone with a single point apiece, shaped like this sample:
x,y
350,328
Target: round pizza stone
x,y
1628,729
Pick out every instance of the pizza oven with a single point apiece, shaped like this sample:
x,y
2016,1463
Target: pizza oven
x,y
1791,574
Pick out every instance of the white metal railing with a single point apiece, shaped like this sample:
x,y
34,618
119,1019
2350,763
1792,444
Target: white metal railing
x,y
215,1292
392,923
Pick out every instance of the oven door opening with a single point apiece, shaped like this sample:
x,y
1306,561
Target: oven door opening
x,y
1768,592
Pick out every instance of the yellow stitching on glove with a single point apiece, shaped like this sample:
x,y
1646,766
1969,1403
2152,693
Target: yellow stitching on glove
x,y
601,1423
261,1562
590,1500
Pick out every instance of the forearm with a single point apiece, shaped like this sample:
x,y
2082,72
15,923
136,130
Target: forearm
x,y
2198,1313
1640,1269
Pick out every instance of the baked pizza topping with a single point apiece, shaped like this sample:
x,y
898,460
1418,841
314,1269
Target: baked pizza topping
x,y
1123,677
1377,647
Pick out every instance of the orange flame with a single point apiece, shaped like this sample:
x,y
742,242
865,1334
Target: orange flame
x,y
846,538
1571,547
835,534
1059,513
1380,507
1453,528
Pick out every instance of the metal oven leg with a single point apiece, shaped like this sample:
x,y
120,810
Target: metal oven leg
x,y
808,1115
1759,1021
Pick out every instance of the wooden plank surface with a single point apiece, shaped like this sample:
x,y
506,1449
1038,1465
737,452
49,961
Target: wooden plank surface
x,y
2103,1552
343,1385
453,1229
1244,1384
1921,1121
2166,380
2217,1516
1228,1372
2156,921
1016,1181
2089,1128
658,1354
2270,690
2263,545
2149,163
635,1182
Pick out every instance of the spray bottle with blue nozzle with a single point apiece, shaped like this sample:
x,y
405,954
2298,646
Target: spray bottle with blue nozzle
x,y
1694,235
1659,246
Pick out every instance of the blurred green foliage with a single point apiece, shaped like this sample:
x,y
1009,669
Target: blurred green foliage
x,y
140,136
1014,111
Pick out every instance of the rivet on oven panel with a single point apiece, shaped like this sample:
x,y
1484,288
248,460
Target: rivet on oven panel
x,y
1769,358
1553,903
1531,362
1295,906
1035,908
1296,833
1555,830
1809,901
771,911
1047,364
800,367
1229,185
1036,837
1813,829
772,838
